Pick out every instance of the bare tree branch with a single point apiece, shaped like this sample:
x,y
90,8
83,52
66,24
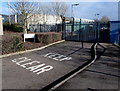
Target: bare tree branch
x,y
105,19
23,8
58,9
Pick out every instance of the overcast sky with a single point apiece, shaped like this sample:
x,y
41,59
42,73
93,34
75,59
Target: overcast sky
x,y
86,9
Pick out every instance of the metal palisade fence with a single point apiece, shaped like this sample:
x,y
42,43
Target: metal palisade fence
x,y
45,27
80,30
75,29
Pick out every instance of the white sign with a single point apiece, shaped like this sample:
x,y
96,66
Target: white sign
x,y
57,57
26,36
34,66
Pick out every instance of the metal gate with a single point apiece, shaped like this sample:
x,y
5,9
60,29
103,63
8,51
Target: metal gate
x,y
80,30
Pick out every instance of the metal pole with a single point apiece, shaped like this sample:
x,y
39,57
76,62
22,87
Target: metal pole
x,y
63,28
72,26
71,10
9,12
80,32
97,27
72,14
79,29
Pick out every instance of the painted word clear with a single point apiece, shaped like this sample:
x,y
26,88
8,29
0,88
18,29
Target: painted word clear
x,y
57,57
34,66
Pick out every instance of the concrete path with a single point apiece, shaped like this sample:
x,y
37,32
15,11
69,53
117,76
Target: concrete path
x,y
101,75
35,70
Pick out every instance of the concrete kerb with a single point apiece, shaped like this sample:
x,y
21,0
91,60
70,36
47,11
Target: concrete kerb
x,y
116,45
26,51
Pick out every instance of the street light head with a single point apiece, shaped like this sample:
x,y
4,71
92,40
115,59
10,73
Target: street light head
x,y
97,14
75,4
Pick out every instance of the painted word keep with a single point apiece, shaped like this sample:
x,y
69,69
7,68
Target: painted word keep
x,y
34,66
57,57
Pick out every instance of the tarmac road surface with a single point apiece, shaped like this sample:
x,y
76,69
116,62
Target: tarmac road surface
x,y
35,70
102,75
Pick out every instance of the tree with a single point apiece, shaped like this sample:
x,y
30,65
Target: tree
x,y
23,9
58,9
44,10
104,19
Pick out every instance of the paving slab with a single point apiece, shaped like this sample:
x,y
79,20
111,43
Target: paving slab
x,y
35,70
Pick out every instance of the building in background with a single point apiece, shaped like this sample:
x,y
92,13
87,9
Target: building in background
x,y
13,18
5,18
43,23
33,20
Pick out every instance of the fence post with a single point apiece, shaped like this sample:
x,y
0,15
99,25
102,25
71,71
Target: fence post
x,y
63,28
80,33
97,32
119,38
72,26
79,29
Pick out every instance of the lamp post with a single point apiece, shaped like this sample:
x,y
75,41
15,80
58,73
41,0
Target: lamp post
x,y
8,11
97,16
72,15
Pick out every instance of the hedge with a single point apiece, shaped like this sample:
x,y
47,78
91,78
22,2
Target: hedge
x,y
47,38
56,37
14,43
12,27
11,44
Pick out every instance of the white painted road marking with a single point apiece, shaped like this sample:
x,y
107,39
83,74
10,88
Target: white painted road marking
x,y
57,57
41,70
38,69
35,67
30,63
